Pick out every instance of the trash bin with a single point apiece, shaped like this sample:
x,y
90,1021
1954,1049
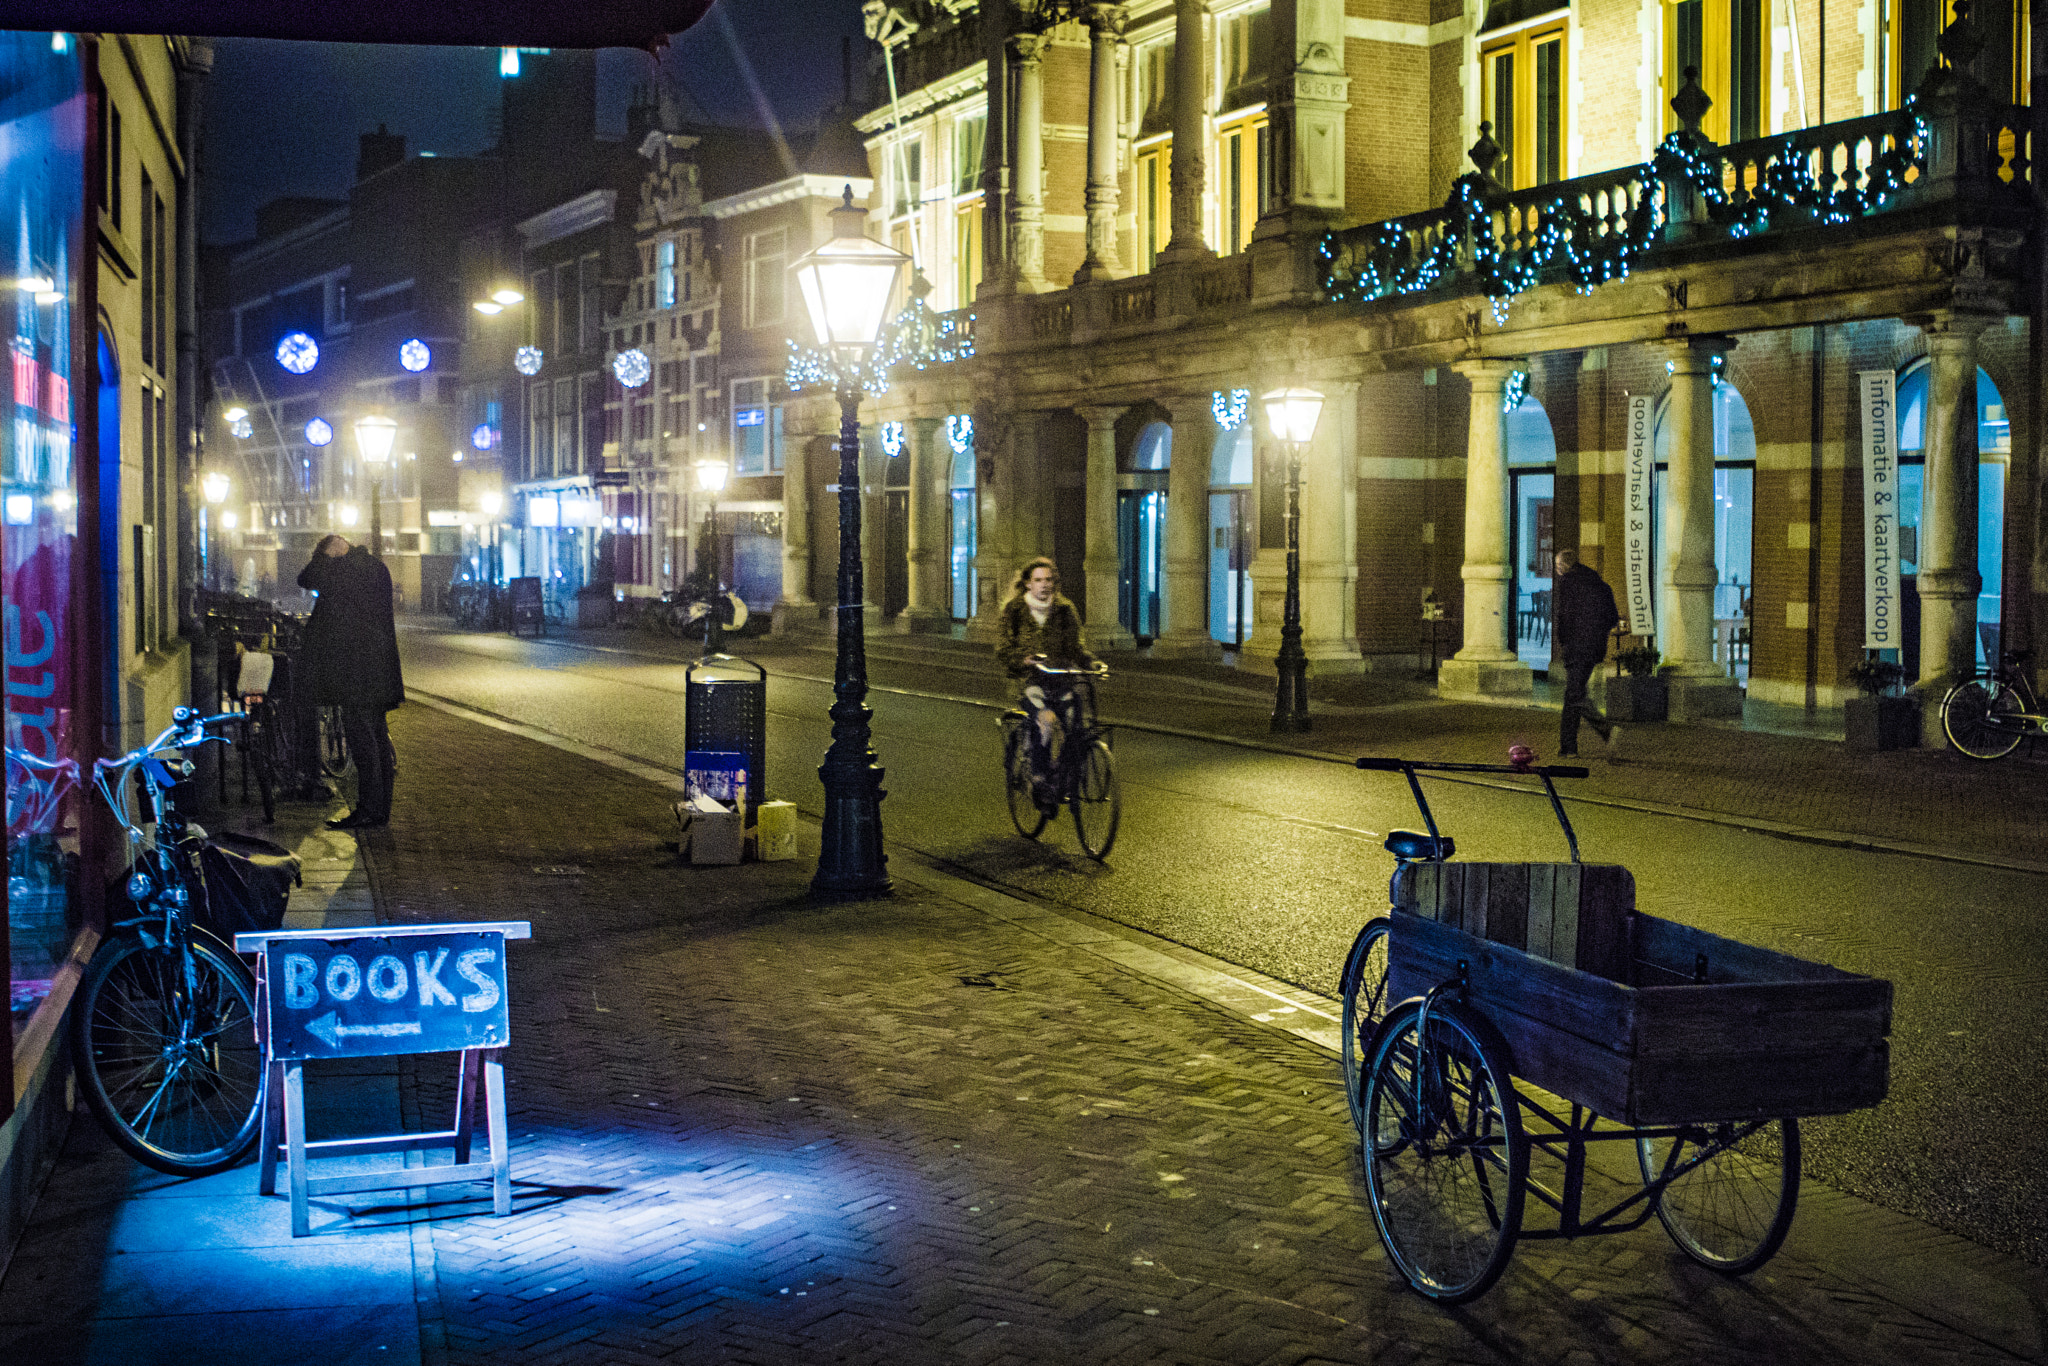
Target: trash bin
x,y
725,712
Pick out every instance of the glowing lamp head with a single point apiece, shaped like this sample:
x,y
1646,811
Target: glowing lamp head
x,y
229,520
491,503
215,485
1292,414
507,297
234,414
711,475
847,283
374,435
488,307
348,514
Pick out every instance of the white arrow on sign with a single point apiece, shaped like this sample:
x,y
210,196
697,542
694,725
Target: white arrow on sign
x,y
331,1033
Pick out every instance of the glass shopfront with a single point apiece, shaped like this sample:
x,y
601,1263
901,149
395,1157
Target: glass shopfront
x,y
42,139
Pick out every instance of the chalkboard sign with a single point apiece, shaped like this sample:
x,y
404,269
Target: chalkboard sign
x,y
526,605
360,997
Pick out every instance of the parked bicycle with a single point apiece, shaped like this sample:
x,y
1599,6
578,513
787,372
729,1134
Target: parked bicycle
x,y
1986,717
163,1031
1079,768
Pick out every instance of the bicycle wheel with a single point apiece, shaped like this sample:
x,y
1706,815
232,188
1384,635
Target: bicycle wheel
x,y
1025,813
267,755
1365,1003
333,745
168,1061
1736,1188
1981,717
1445,1160
1097,799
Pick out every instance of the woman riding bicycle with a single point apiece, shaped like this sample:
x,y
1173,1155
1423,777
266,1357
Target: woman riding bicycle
x,y
1042,628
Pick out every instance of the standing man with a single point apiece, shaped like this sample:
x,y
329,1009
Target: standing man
x,y
1582,614
350,660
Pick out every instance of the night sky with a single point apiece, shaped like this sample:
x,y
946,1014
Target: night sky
x,y
282,117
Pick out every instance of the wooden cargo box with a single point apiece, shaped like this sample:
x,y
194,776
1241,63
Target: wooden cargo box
x,y
1641,1020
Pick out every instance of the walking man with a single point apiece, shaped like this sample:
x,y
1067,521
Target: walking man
x,y
1582,614
350,660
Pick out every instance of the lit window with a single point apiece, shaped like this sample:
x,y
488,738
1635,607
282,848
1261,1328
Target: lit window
x,y
1912,27
665,274
1155,203
1244,148
767,276
756,429
1724,41
1524,100
966,252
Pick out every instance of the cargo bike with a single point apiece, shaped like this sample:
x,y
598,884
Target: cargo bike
x,y
1538,1012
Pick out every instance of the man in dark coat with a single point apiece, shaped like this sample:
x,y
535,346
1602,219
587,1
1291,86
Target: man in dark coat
x,y
1582,613
350,660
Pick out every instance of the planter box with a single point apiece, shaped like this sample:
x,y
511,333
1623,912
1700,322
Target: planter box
x,y
594,611
1873,723
1632,698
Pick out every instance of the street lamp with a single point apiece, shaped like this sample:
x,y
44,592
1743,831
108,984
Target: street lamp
x,y
847,284
214,485
1292,415
374,435
711,476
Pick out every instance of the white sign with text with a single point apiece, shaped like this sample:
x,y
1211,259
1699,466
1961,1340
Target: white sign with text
x,y
1877,403
1639,476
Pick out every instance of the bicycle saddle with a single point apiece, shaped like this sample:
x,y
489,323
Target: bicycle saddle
x,y
1411,845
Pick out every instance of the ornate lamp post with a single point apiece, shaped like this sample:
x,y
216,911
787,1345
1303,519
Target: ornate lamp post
x,y
1292,415
847,284
374,435
711,476
214,485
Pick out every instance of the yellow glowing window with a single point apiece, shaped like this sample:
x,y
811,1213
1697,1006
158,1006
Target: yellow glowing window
x,y
1244,153
1524,99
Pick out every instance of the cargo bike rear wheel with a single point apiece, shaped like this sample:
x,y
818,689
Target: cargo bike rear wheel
x,y
1732,1189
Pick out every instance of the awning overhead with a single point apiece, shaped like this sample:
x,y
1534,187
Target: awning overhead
x,y
456,23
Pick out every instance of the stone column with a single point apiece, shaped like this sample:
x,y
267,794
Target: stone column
x,y
1190,136
1699,685
1185,633
997,273
1027,251
1486,666
1948,579
1102,563
794,610
1105,26
992,552
1030,531
926,611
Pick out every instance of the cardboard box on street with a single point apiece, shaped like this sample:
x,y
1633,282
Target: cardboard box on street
x,y
715,832
775,831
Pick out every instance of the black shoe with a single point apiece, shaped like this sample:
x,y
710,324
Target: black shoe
x,y
348,822
1605,730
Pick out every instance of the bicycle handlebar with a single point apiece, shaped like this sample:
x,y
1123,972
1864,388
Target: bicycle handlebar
x,y
187,728
1096,670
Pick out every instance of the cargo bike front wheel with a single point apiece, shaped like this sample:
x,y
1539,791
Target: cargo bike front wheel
x,y
1446,1161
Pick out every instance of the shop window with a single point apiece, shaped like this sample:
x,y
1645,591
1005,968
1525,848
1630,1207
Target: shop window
x,y
1155,203
1724,41
1243,172
1525,101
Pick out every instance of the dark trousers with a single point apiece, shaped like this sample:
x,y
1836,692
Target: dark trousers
x,y
1577,674
369,744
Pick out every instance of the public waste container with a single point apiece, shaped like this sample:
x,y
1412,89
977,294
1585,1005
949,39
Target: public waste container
x,y
725,729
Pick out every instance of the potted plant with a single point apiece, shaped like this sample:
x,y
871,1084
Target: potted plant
x,y
1884,717
1637,693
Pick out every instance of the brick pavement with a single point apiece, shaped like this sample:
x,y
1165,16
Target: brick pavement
x,y
750,1128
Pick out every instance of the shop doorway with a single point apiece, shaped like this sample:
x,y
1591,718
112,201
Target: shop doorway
x,y
1531,452
1141,531
960,507
1232,538
1734,518
1994,461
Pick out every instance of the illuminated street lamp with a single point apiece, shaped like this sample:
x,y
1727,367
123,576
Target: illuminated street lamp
x,y
214,485
1292,414
847,284
374,437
